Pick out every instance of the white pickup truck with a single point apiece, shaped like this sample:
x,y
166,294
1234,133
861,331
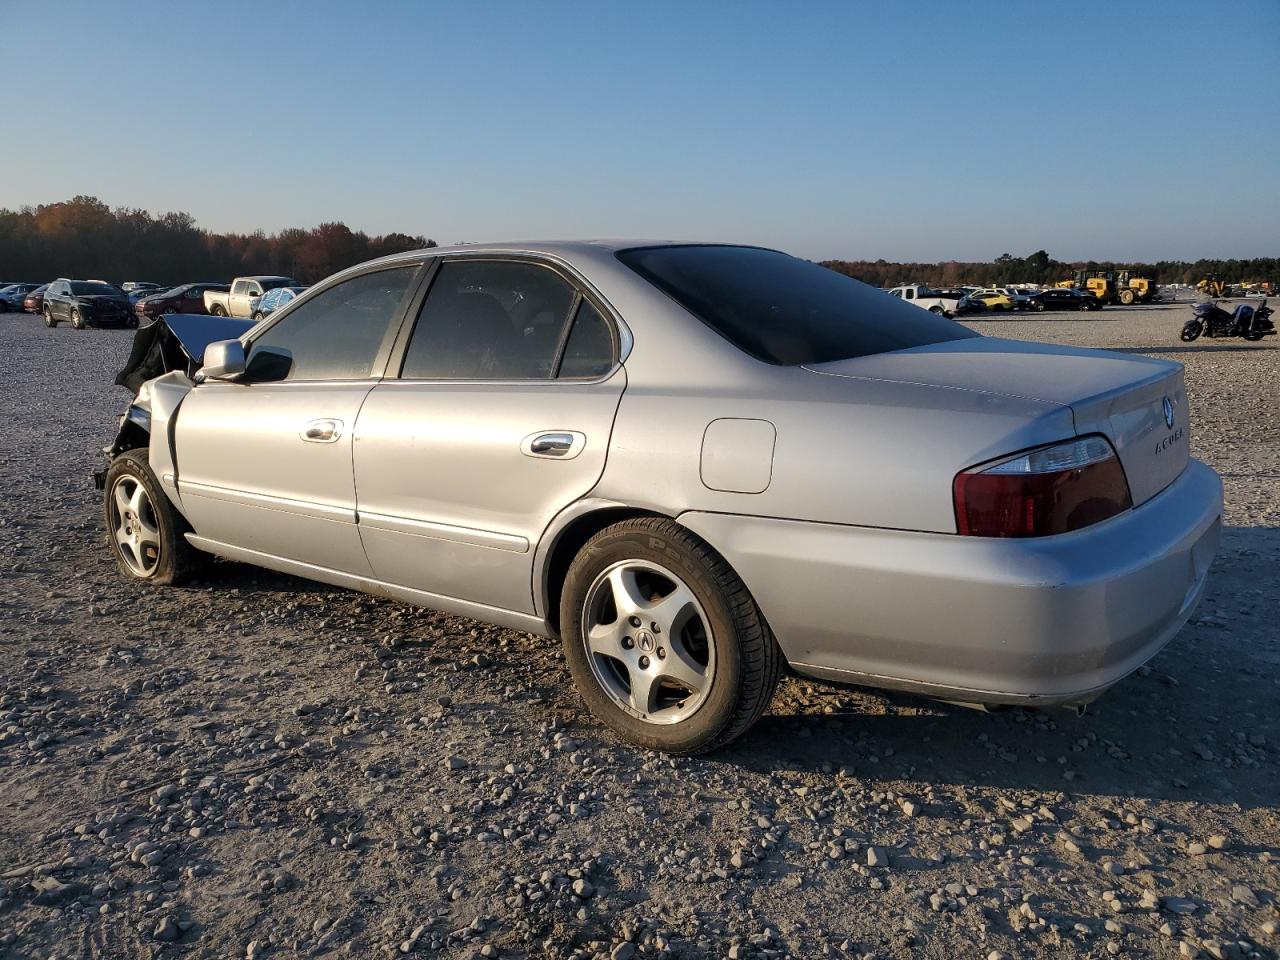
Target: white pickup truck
x,y
240,300
932,300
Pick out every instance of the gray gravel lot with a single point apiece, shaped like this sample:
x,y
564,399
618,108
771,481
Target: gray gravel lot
x,y
256,766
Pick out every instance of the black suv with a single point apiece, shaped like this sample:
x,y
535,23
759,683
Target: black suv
x,y
86,303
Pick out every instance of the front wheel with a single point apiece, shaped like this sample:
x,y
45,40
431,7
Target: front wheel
x,y
1191,330
77,320
258,315
1127,297
144,531
663,640
48,318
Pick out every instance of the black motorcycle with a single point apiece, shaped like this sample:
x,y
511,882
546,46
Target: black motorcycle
x,y
1244,321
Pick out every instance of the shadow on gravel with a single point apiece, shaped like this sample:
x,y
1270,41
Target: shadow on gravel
x,y
1207,348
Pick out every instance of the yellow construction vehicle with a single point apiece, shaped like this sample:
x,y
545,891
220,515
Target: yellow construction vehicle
x,y
1134,289
1214,286
1101,283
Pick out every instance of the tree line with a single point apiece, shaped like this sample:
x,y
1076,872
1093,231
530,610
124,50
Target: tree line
x,y
85,239
1040,268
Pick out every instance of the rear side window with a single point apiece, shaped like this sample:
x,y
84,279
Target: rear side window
x,y
784,310
589,350
489,320
336,334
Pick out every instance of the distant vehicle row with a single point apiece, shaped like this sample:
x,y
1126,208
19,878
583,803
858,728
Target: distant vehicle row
x,y
964,301
84,303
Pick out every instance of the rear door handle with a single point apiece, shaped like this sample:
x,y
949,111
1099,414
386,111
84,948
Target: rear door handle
x,y
554,444
324,430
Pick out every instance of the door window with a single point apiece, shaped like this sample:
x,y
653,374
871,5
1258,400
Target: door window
x,y
336,334
489,320
239,287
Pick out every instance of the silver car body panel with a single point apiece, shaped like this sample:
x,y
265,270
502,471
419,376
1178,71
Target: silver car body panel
x,y
449,499
1047,620
827,488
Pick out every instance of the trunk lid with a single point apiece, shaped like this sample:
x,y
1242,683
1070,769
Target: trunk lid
x,y
1119,395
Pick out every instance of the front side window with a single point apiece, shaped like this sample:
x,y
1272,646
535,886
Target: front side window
x,y
489,320
334,336
783,310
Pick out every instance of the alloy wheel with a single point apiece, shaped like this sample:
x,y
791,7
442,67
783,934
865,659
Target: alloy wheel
x,y
135,525
648,642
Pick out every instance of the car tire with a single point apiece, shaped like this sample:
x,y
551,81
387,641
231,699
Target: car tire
x,y
77,321
257,316
938,310
217,310
144,532
48,318
718,637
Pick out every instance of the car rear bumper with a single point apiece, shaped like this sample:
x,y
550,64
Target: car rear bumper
x,y
1053,620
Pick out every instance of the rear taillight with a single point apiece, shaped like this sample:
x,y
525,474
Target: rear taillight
x,y
1051,490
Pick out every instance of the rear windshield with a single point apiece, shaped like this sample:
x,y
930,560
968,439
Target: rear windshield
x,y
783,310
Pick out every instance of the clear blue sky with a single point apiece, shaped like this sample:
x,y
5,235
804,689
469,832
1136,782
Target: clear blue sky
x,y
846,129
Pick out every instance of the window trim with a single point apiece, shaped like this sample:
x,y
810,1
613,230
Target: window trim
x,y
580,289
378,366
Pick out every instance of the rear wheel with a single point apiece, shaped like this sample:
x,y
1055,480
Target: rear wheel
x,y
217,310
144,531
663,640
936,309
1127,297
48,317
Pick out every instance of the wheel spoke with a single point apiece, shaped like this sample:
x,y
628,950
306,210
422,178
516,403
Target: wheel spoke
x,y
682,668
672,611
135,552
606,639
138,501
122,500
627,597
643,689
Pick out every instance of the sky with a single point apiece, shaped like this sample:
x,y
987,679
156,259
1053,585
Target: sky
x,y
853,130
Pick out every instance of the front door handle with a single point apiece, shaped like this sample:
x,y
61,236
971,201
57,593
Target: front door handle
x,y
324,430
554,444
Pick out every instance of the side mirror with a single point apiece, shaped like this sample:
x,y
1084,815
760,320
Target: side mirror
x,y
223,360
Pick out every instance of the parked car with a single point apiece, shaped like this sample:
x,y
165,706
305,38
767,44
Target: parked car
x,y
1021,300
12,295
1065,298
244,290
139,289
186,298
993,299
273,300
932,300
694,464
33,302
965,304
85,303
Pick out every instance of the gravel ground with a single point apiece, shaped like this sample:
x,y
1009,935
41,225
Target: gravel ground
x,y
256,766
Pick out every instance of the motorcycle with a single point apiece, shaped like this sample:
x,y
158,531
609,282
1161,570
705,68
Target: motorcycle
x,y
1244,321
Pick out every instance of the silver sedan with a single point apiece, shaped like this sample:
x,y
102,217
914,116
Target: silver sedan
x,y
695,464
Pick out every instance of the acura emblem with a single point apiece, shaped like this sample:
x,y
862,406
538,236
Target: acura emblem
x,y
1168,413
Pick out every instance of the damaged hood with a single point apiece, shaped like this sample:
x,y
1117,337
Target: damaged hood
x,y
176,341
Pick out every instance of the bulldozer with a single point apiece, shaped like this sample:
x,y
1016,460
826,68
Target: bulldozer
x,y
1101,283
1134,289
1214,286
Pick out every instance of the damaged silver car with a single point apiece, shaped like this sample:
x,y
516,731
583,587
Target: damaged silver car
x,y
696,464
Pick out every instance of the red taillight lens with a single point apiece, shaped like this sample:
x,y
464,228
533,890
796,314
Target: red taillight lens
x,y
1051,490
